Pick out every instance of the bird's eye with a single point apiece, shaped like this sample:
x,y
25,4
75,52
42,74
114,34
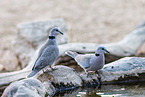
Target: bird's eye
x,y
103,49
56,30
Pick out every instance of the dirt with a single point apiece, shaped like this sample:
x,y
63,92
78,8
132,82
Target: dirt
x,y
99,21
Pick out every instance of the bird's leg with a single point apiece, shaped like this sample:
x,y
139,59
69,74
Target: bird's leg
x,y
45,71
99,77
97,72
48,70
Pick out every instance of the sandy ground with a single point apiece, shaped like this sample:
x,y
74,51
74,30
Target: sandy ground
x,y
99,21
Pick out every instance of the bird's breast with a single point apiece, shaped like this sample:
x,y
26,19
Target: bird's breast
x,y
96,63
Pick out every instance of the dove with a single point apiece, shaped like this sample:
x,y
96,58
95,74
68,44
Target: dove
x,y
47,54
90,62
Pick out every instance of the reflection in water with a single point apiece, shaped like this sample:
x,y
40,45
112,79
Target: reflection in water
x,y
91,94
108,91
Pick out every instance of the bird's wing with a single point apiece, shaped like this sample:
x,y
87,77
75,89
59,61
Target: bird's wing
x,y
83,60
39,64
42,50
51,53
47,57
39,54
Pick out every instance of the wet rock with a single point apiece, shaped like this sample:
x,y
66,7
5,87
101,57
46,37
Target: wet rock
x,y
25,88
49,88
124,70
30,37
90,81
70,93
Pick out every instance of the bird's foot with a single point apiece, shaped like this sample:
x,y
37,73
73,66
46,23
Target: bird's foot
x,y
99,79
98,73
54,69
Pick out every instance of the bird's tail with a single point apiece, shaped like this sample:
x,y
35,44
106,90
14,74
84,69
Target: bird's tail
x,y
71,54
33,72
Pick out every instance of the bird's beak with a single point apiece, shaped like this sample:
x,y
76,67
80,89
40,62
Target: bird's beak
x,y
60,32
107,51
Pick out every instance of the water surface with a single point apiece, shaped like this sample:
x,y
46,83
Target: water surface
x,y
108,91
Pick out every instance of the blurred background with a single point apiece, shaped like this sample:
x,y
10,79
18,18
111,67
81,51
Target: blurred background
x,y
97,21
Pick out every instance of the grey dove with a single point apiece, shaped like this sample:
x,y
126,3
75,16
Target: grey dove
x,y
90,62
48,53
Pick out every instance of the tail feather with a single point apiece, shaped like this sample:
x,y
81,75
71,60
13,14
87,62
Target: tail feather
x,y
71,54
34,72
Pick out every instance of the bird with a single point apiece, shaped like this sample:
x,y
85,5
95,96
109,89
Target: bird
x,y
48,53
90,62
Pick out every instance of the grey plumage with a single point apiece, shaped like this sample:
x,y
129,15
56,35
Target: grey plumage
x,y
90,62
47,54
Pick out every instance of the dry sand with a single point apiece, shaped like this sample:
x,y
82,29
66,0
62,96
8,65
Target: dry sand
x,y
99,21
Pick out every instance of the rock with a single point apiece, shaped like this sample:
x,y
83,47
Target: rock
x,y
6,78
36,32
124,70
25,88
63,75
30,37
49,88
90,81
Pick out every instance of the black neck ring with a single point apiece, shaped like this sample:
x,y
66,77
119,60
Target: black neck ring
x,y
97,54
51,37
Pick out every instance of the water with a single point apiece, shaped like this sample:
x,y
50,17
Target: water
x,y
108,91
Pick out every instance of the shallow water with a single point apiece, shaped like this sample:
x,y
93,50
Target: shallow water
x,y
108,91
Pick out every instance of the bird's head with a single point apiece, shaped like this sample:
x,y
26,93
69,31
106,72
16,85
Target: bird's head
x,y
102,49
55,31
